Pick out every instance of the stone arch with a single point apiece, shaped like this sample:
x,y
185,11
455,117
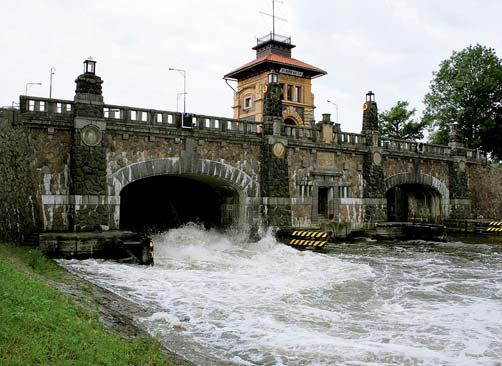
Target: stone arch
x,y
425,180
291,113
245,186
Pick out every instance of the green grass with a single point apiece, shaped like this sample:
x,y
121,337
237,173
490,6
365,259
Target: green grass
x,y
41,326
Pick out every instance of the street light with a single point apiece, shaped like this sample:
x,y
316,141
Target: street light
x,y
52,71
177,100
28,85
183,72
336,105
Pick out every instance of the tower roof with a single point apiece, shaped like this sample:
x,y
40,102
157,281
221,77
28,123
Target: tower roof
x,y
274,51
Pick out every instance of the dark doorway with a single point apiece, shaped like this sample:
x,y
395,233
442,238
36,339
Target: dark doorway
x,y
164,202
289,122
413,203
322,202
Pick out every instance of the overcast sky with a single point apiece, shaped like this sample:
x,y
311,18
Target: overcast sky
x,y
388,46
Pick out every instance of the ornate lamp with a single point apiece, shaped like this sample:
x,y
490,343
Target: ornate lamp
x,y
370,96
89,66
273,77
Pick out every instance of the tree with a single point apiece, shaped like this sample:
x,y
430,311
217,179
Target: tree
x,y
398,123
468,89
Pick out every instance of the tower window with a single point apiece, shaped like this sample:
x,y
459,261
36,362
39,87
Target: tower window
x,y
298,94
290,92
247,102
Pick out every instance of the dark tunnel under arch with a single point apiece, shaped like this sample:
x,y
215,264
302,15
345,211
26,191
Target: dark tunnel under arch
x,y
168,201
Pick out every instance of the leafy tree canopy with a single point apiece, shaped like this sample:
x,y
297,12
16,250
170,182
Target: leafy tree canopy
x,y
468,89
398,123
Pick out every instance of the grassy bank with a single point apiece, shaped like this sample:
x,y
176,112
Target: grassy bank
x,y
41,326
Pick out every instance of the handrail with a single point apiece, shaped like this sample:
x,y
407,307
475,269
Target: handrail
x,y
170,119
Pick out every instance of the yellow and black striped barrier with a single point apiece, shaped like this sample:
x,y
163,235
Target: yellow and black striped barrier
x,y
494,227
308,239
310,234
319,244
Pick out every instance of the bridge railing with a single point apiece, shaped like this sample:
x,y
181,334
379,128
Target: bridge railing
x,y
173,119
430,149
38,104
299,132
413,146
228,125
314,133
348,138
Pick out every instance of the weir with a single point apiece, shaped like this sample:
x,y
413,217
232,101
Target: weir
x,y
95,166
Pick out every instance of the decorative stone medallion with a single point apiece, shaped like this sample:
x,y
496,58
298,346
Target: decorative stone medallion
x,y
91,135
278,150
377,158
461,166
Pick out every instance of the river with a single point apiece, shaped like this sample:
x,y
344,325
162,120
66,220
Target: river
x,y
217,299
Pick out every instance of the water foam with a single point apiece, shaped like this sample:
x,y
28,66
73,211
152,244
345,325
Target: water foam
x,y
268,304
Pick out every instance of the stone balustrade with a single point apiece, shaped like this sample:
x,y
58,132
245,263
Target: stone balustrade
x,y
169,119
348,138
173,119
299,132
429,149
37,104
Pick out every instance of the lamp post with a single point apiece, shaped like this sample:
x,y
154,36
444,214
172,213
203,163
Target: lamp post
x,y
177,100
28,85
183,72
336,105
52,72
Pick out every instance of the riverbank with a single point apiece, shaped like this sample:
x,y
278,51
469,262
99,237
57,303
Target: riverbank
x,y
50,316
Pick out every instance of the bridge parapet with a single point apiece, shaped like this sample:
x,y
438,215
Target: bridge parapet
x,y
348,138
406,146
172,120
45,105
314,134
300,132
141,116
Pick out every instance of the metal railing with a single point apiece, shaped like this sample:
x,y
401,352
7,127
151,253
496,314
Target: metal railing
x,y
273,37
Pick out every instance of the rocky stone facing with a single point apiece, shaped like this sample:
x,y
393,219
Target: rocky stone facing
x,y
20,205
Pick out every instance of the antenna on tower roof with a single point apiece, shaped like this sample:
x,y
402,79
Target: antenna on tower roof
x,y
273,15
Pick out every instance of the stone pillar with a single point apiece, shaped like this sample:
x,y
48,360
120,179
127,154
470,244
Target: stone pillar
x,y
88,189
327,128
370,120
274,171
374,187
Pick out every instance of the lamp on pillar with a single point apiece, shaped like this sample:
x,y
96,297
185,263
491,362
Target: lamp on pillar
x,y
89,66
273,77
370,120
89,92
370,96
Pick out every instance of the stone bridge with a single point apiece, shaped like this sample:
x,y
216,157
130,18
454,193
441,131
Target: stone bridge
x,y
127,167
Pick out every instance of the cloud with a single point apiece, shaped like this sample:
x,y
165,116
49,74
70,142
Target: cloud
x,y
391,47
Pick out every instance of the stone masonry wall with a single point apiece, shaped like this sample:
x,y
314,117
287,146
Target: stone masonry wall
x,y
485,191
52,161
310,169
19,203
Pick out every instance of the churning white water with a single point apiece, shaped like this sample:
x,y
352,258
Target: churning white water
x,y
218,300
